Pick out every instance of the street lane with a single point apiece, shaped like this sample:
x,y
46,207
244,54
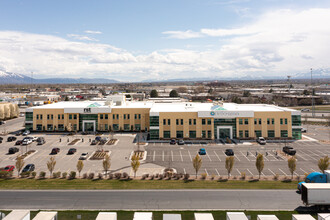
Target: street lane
x,y
150,199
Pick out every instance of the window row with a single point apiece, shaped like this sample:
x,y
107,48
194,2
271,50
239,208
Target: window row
x,y
209,121
192,134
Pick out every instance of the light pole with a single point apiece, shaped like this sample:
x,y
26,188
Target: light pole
x,y
313,105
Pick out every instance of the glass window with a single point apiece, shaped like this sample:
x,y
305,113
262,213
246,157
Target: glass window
x,y
40,116
115,127
271,133
74,116
177,121
135,116
106,116
137,127
124,116
273,121
203,134
209,134
246,133
169,121
192,134
179,134
39,127
49,127
101,116
281,121
60,127
296,120
189,121
154,134
284,133
255,121
28,116
181,121
117,115
106,127
128,116
37,117
52,116
268,121
259,121
139,116
240,121
126,127
194,121
62,117
154,120
286,121
209,121
203,121
74,127
296,134
167,134
246,121
70,116
113,116
59,117
258,133
240,133
164,121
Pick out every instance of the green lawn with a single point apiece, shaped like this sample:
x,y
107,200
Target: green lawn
x,y
158,215
317,107
141,184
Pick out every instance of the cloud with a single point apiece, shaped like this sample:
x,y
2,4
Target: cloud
x,y
277,43
92,32
81,37
183,34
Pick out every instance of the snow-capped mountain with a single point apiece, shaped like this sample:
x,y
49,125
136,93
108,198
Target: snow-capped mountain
x,y
13,78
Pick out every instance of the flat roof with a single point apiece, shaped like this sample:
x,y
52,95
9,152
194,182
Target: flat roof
x,y
317,185
203,216
142,216
236,216
45,216
107,216
17,214
303,216
267,217
172,217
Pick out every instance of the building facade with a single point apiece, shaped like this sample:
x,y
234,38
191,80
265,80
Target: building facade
x,y
185,120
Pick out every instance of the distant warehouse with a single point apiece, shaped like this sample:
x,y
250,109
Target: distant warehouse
x,y
188,120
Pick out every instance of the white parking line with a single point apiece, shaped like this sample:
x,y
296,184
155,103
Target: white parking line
x,y
181,156
295,173
238,171
308,155
271,172
237,157
153,159
313,153
206,172
282,171
217,172
245,156
208,157
298,155
189,155
217,156
163,156
249,171
313,170
184,170
322,152
266,158
172,155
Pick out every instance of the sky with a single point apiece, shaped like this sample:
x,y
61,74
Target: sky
x,y
142,40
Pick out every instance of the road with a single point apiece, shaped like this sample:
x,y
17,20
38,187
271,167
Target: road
x,y
150,199
12,125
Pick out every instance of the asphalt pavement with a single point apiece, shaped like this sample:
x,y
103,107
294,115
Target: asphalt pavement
x,y
150,199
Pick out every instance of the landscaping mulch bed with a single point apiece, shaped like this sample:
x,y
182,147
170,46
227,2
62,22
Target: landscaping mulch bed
x,y
140,154
99,155
112,142
74,141
26,154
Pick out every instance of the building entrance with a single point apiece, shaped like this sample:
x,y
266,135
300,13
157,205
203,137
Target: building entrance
x,y
224,132
89,126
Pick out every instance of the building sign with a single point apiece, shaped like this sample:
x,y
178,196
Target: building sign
x,y
225,114
87,110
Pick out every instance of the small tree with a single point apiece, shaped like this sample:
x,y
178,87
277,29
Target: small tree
x,y
292,165
66,98
135,164
80,166
260,163
19,164
229,164
51,165
106,164
197,163
153,93
323,163
174,93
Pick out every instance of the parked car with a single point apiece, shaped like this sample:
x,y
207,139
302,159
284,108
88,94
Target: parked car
x,y
83,156
19,142
1,138
72,150
181,142
41,140
28,168
172,142
27,142
261,140
98,138
11,138
26,133
55,150
9,168
303,130
202,151
18,133
305,110
229,152
289,150
2,122
13,150
34,138
94,142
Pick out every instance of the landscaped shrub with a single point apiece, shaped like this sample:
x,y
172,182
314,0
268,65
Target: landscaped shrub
x,y
64,174
72,175
91,176
25,174
117,176
84,176
58,174
34,174
110,176
160,177
42,175
125,175
4,174
203,176
157,175
276,177
186,176
243,175
144,176
100,176
152,177
212,177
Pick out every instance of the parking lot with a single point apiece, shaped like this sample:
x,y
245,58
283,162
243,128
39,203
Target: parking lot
x,y
213,163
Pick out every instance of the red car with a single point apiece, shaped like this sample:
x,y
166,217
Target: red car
x,y
9,168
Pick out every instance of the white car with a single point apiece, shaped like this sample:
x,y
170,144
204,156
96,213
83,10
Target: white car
x,y
34,138
83,156
261,140
27,132
27,142
303,130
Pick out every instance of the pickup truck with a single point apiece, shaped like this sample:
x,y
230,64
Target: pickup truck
x,y
316,194
316,177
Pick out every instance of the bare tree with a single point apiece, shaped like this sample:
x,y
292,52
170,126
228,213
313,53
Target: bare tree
x,y
197,163
80,166
229,164
51,165
292,163
106,164
323,163
260,163
19,164
135,163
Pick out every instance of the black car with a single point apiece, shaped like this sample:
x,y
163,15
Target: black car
x,y
55,150
28,168
289,150
1,138
229,152
13,150
19,142
173,142
41,140
98,138
12,138
72,151
94,142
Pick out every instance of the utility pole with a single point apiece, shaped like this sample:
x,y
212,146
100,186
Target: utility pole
x,y
289,83
313,104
